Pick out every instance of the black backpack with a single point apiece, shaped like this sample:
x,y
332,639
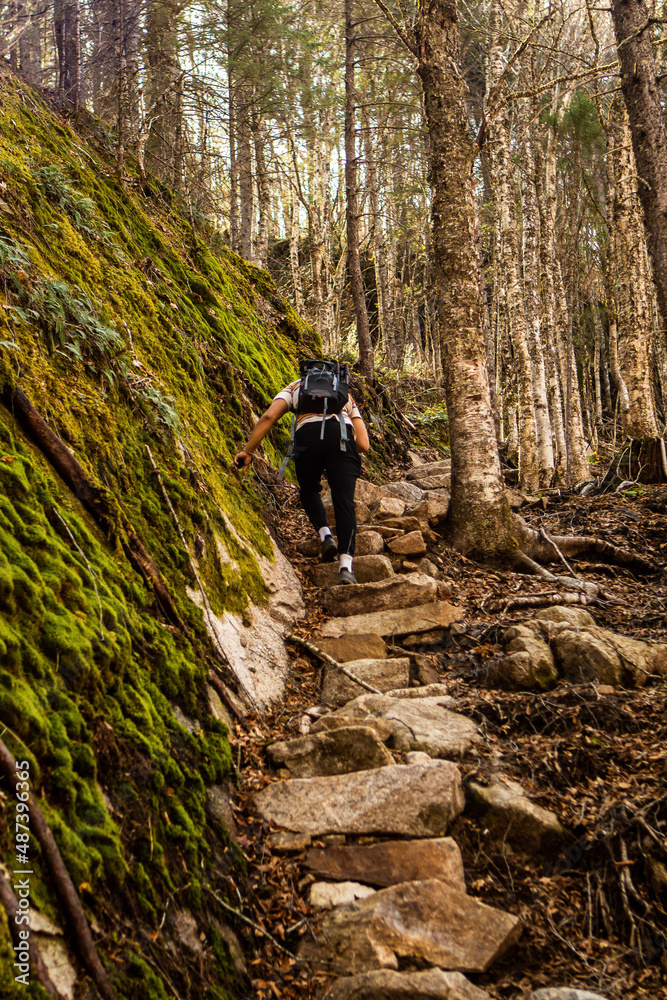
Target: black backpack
x,y
325,387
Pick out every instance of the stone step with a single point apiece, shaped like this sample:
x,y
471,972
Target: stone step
x,y
428,922
391,862
418,723
341,751
429,469
359,646
386,984
403,591
367,569
383,674
420,800
402,621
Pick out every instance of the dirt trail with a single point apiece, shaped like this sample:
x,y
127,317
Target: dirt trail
x,y
592,906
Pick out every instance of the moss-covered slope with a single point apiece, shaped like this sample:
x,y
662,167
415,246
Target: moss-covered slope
x,y
138,340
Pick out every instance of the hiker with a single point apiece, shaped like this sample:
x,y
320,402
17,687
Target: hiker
x,y
320,445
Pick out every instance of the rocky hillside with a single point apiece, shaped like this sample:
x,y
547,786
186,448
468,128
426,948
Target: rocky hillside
x,y
133,346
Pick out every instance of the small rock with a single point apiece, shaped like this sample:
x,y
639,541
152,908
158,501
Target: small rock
x,y
219,807
564,993
386,984
186,931
417,757
529,664
428,567
566,613
382,729
412,544
436,690
427,672
366,492
341,751
510,815
404,491
218,710
284,842
369,543
326,895
386,674
391,507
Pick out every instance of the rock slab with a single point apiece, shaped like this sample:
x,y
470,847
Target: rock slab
x,y
386,674
403,591
342,751
385,984
362,646
410,801
391,862
418,723
404,621
417,921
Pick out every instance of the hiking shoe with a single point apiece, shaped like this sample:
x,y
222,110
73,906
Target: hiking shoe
x,y
346,576
329,549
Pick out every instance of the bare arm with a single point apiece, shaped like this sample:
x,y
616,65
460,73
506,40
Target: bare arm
x,y
243,459
361,434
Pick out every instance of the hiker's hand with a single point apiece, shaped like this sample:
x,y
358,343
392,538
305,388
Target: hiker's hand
x,y
242,461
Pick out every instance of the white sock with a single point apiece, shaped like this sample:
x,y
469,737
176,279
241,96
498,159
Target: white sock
x,y
326,530
345,561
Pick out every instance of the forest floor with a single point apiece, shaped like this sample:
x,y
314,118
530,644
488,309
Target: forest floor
x,y
594,916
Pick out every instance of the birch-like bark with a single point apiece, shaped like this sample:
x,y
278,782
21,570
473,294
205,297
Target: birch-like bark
x,y
531,279
509,260
366,363
633,362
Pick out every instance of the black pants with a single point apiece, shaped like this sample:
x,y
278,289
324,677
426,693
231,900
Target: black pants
x,y
312,457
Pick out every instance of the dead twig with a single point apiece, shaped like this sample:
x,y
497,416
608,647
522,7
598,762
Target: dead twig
x,y
330,660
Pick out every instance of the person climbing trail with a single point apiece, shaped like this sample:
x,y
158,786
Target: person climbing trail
x,y
327,436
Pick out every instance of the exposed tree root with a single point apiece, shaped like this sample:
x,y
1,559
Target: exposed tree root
x,y
38,968
540,547
64,886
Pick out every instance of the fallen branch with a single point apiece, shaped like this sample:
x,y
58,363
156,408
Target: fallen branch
x,y
251,923
37,965
330,660
64,886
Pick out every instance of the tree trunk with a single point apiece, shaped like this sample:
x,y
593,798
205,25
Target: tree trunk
x,y
479,519
509,261
65,24
630,282
531,277
366,362
633,27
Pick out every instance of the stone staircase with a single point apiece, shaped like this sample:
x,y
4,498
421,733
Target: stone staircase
x,y
371,788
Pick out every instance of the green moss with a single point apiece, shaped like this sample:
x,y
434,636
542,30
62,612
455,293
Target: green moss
x,y
129,334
